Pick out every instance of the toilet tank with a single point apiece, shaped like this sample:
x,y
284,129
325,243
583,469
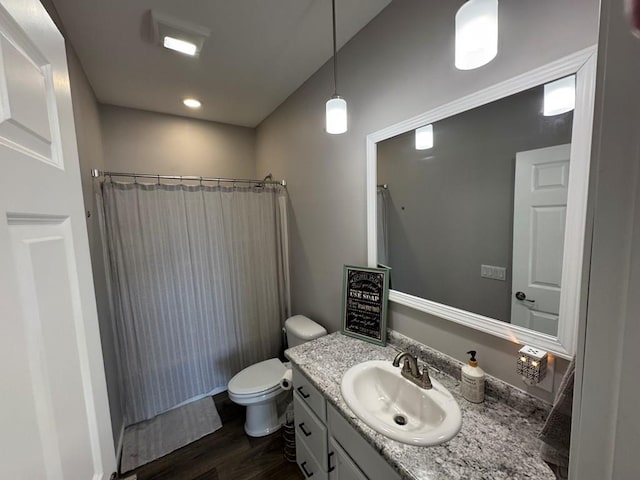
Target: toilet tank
x,y
301,329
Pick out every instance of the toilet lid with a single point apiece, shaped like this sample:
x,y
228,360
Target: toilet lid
x,y
258,377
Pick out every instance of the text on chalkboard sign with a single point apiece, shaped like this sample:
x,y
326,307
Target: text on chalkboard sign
x,y
365,295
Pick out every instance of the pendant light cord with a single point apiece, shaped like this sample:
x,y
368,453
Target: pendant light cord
x,y
335,59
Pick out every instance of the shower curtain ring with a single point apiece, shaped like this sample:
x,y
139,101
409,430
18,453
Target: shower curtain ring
x,y
158,179
200,181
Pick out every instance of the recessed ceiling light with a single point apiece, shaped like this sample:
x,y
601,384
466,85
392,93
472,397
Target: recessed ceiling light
x,y
181,46
192,103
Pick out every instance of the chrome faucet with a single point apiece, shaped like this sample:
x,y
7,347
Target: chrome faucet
x,y
411,372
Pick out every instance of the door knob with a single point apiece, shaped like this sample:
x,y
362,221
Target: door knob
x,y
522,297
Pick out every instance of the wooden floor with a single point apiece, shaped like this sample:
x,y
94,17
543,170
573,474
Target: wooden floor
x,y
227,454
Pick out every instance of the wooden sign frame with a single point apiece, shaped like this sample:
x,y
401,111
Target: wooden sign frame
x,y
364,303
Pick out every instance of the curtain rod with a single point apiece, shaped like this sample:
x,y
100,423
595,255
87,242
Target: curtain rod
x,y
95,173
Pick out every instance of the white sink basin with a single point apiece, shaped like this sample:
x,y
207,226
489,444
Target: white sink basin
x,y
393,406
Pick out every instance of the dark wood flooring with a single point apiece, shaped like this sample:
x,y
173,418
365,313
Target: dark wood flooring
x,y
227,454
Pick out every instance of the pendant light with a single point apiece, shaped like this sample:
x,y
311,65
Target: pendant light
x,y
476,34
424,137
560,96
336,105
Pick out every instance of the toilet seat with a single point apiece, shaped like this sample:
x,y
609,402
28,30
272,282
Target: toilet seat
x,y
258,379
240,396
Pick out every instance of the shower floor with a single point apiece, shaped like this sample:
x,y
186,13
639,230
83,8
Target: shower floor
x,y
227,454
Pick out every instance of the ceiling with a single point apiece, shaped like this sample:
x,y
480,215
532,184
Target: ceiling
x,y
259,52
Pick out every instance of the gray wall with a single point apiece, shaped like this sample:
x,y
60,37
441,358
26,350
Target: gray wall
x,y
89,138
85,110
451,206
147,142
606,424
398,66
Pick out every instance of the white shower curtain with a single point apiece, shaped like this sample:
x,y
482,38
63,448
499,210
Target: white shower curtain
x,y
198,283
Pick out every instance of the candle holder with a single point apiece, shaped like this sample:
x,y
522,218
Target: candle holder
x,y
532,364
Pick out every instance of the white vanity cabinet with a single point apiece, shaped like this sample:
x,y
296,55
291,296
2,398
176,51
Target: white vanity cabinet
x,y
327,447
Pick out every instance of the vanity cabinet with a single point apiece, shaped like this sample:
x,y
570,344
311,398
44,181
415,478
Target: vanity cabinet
x,y
327,447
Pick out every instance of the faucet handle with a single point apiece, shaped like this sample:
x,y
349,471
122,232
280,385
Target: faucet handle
x,y
426,379
406,367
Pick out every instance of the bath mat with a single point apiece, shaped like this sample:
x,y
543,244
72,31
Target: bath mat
x,y
149,440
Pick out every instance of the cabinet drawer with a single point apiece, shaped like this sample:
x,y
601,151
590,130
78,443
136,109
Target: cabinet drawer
x,y
310,394
308,463
310,430
361,452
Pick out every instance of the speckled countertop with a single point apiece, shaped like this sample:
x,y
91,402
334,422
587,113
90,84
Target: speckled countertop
x,y
497,439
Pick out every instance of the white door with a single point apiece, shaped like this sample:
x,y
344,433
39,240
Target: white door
x,y
341,467
54,416
539,214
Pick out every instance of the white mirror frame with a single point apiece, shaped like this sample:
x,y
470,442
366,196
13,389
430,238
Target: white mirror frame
x,y
583,64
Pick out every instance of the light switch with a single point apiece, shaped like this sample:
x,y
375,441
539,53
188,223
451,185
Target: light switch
x,y
493,272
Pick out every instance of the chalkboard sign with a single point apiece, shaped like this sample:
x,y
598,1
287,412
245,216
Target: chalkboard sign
x,y
364,303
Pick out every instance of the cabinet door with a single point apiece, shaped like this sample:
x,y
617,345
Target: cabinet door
x,y
341,467
372,464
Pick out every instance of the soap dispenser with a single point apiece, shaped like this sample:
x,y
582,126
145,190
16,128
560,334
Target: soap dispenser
x,y
473,380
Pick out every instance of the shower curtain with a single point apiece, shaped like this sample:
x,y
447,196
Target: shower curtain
x,y
199,286
382,203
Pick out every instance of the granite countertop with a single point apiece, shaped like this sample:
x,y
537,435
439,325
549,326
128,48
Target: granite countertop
x,y
497,439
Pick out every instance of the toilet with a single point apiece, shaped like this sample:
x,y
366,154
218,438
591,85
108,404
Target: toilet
x,y
257,387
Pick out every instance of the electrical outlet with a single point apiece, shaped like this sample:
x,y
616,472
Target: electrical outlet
x,y
493,272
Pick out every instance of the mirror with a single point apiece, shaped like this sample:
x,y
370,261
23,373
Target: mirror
x,y
484,177
479,206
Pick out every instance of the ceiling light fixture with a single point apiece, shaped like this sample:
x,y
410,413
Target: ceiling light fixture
x,y
424,137
178,35
192,103
476,34
560,96
336,114
178,45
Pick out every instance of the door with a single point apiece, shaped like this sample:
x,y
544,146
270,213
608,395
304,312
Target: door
x,y
54,416
539,214
341,467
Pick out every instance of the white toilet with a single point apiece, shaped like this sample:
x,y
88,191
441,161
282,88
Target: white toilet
x,y
258,386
